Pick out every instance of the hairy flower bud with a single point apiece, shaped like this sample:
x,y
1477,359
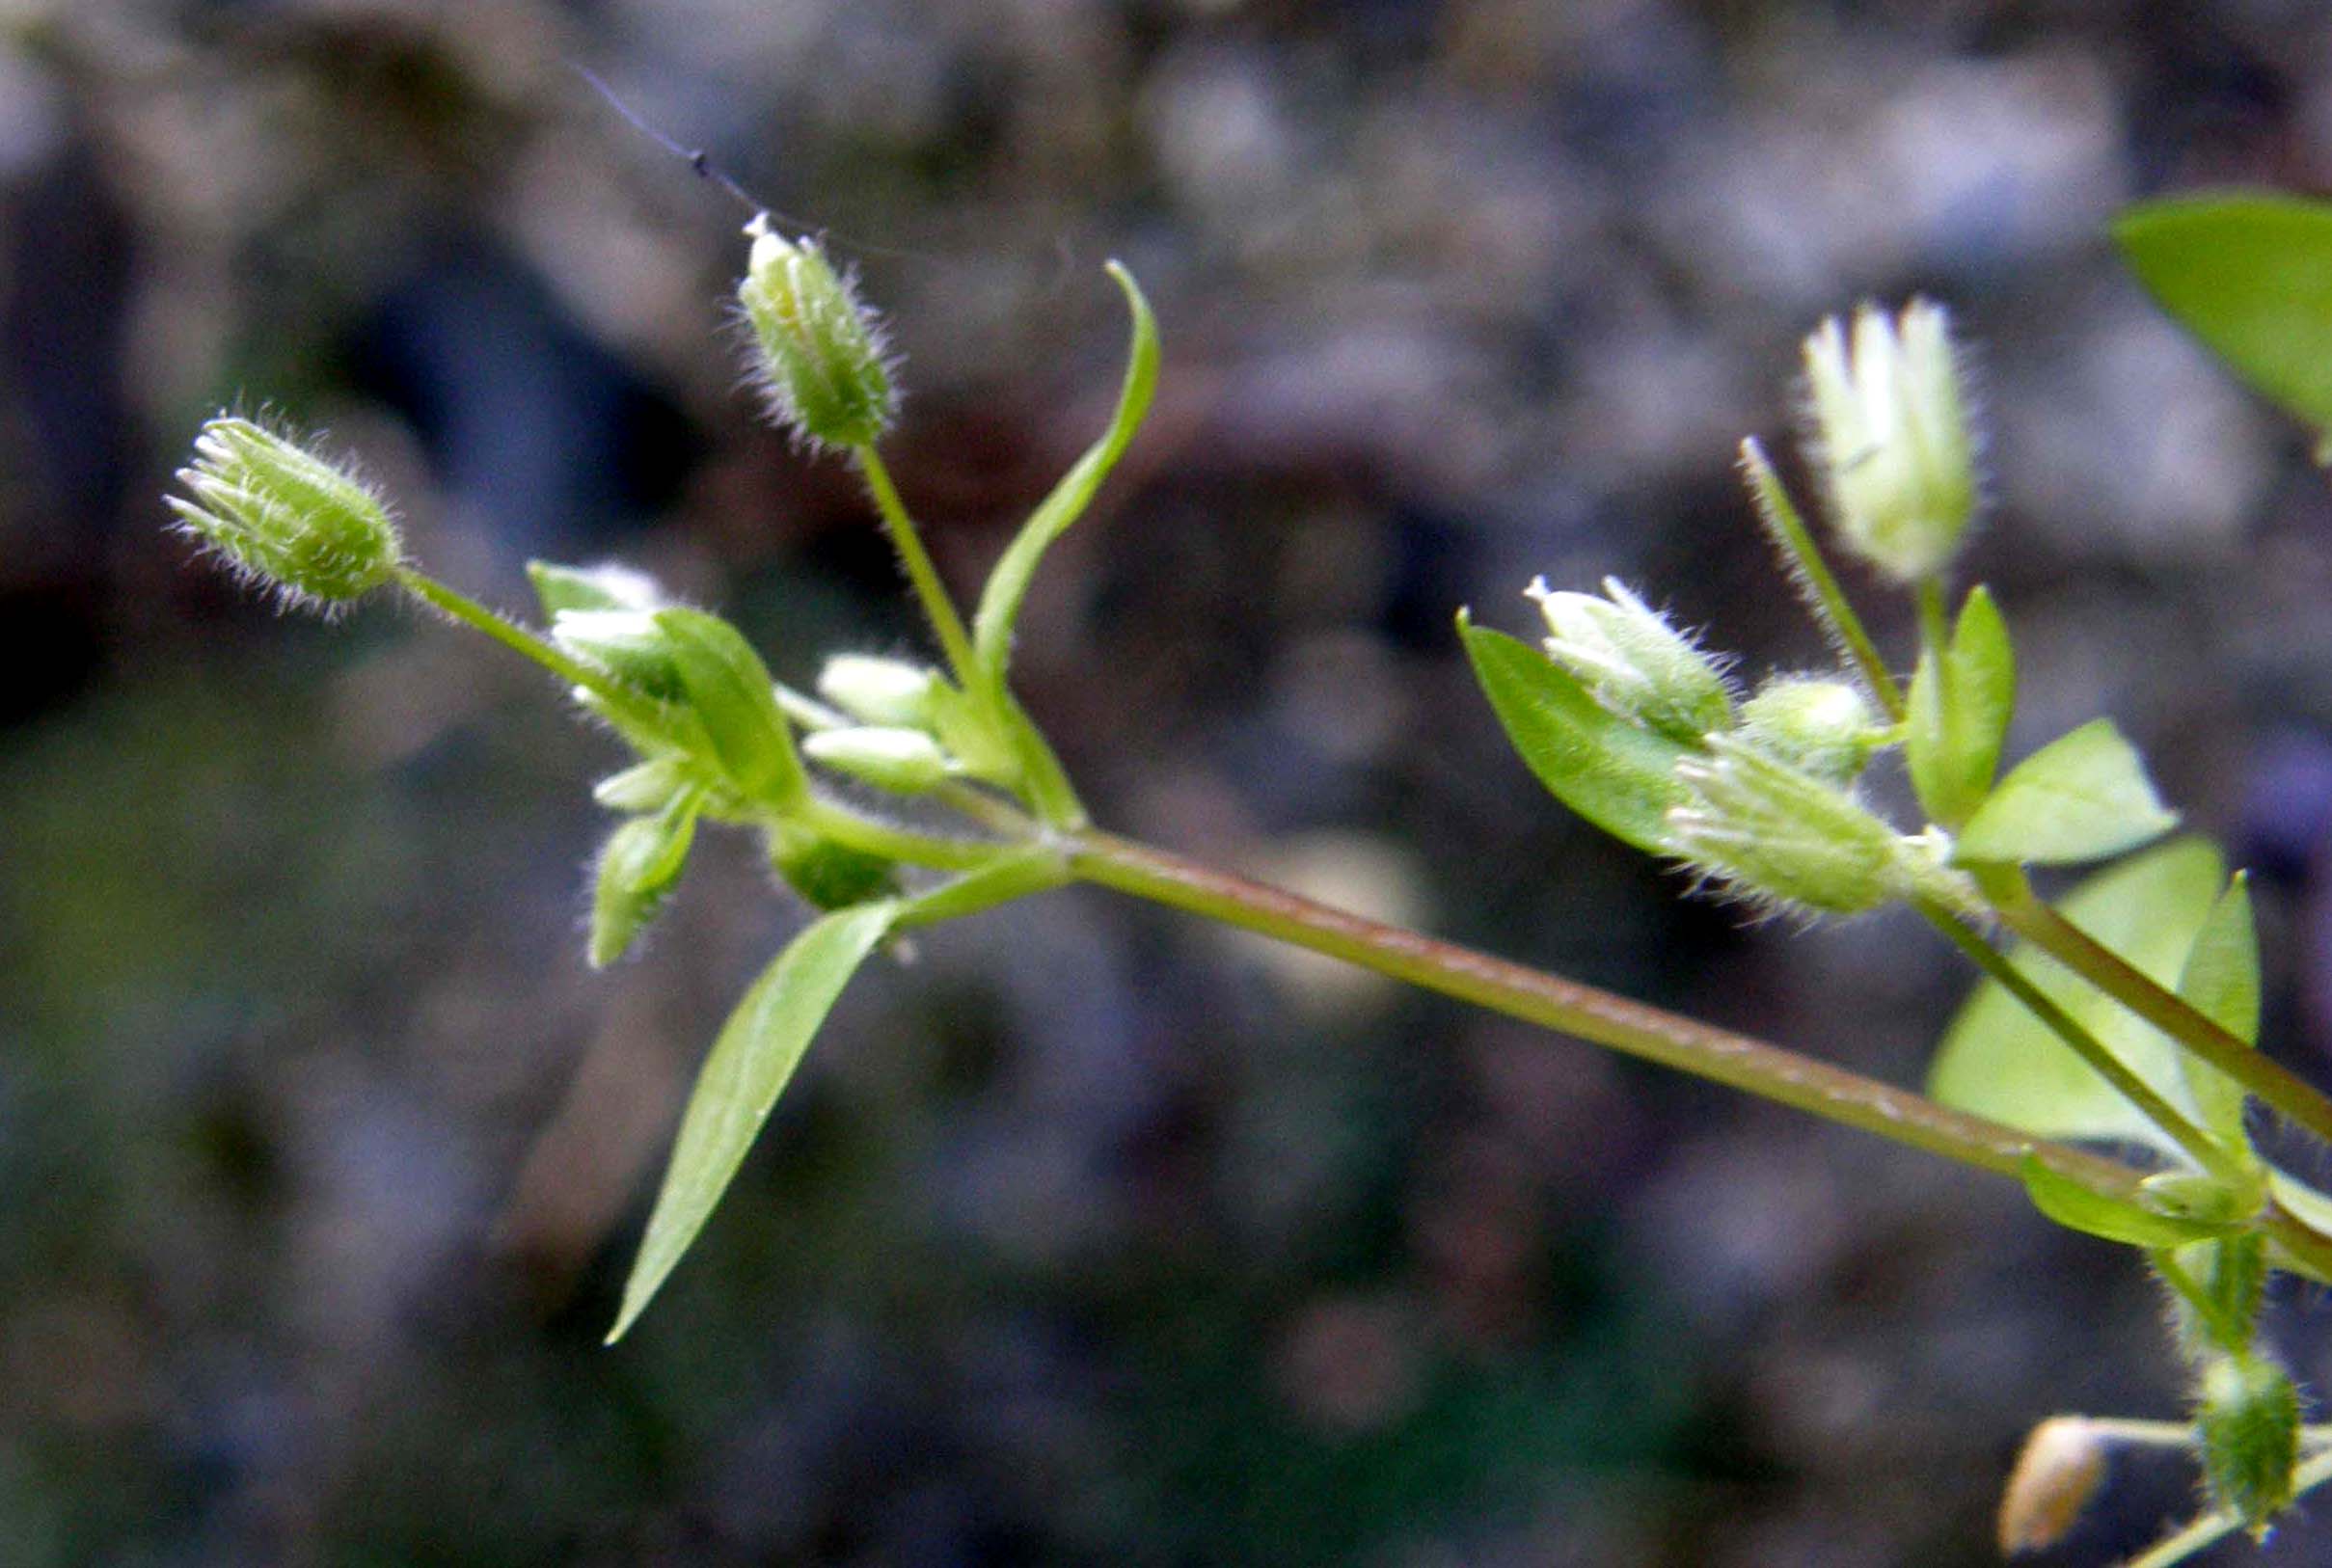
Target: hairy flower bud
x,y
1891,435
2248,1424
817,353
1826,727
630,644
905,761
1634,661
1776,834
285,516
873,691
2055,1477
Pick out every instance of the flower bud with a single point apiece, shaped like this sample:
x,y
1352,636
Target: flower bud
x,y
831,876
1826,727
1634,661
285,516
817,353
1776,834
2248,1426
879,690
630,644
2055,1477
905,761
638,868
1891,434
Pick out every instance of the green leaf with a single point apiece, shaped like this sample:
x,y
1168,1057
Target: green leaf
x,y
2082,797
1615,774
2250,274
638,868
731,692
1961,700
758,1050
2221,980
1007,584
1999,1061
2312,1209
2077,1208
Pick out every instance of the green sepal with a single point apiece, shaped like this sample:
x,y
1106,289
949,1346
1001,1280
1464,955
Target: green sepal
x,y
2250,274
2077,1208
638,866
644,786
558,587
2083,796
827,875
731,694
2248,1424
1006,585
747,1068
1620,776
1957,718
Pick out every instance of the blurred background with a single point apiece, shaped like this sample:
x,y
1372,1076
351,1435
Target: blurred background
x,y
1095,1235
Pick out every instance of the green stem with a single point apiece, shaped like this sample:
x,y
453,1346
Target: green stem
x,y
1601,1016
2204,1151
1816,585
2025,914
461,607
1935,620
938,852
2214,1527
939,610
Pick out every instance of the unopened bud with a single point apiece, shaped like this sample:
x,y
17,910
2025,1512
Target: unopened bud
x,y
1776,834
2248,1425
879,690
285,516
908,762
1891,434
831,876
630,644
2055,1477
638,869
1635,663
609,585
1825,727
818,356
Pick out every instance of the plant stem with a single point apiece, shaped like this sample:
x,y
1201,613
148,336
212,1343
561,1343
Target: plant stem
x,y
1631,1027
939,610
938,852
460,606
2024,913
2214,1527
2203,1149
1816,585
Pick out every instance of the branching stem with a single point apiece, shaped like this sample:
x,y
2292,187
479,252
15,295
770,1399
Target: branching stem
x,y
1601,1016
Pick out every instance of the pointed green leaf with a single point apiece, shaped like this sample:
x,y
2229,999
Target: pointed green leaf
x,y
1961,700
1999,1061
1007,584
2250,274
2082,797
730,690
758,1050
2312,1209
1615,774
2221,980
2076,1207
638,868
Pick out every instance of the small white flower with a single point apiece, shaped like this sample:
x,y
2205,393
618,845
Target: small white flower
x,y
1891,435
